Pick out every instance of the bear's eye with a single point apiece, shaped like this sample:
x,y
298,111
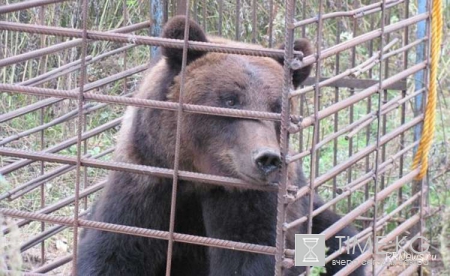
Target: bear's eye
x,y
230,102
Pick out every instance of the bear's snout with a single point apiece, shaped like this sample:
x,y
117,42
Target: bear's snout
x,y
267,160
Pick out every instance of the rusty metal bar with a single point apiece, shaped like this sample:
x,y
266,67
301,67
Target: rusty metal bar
x,y
142,40
13,7
65,144
202,46
280,240
56,121
402,249
389,237
315,154
178,137
308,121
353,13
61,46
139,169
344,221
357,125
60,204
41,237
201,109
65,69
348,190
13,273
410,270
149,233
49,267
364,38
358,156
36,182
329,81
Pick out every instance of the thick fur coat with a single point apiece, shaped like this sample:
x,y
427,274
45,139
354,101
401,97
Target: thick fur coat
x,y
245,149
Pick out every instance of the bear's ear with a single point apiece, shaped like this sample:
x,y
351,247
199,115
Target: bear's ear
x,y
174,29
299,75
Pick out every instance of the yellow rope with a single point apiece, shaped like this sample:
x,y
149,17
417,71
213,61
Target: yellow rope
x,y
426,140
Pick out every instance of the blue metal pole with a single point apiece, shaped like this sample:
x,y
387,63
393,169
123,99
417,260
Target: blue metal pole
x,y
419,76
157,18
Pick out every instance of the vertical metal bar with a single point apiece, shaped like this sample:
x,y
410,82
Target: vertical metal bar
x,y
423,183
369,110
270,23
220,16
181,7
336,98
195,9
238,19
316,131
377,150
351,115
157,18
124,55
284,142
302,97
254,7
166,11
80,132
385,99
419,76
177,143
403,109
205,13
42,133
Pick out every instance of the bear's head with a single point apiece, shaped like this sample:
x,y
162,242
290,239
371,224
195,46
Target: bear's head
x,y
242,148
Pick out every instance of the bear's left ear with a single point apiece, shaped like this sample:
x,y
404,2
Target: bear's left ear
x,y
174,29
299,76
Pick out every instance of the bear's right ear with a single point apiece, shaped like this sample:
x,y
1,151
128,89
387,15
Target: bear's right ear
x,y
299,75
174,29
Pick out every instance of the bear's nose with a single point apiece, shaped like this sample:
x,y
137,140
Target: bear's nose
x,y
267,160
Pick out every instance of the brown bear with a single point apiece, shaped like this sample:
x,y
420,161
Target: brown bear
x,y
240,148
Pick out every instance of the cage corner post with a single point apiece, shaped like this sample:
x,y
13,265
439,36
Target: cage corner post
x,y
420,82
157,21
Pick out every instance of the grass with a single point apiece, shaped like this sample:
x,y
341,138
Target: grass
x,y
106,15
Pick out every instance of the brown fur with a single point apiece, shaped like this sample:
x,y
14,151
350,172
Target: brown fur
x,y
209,144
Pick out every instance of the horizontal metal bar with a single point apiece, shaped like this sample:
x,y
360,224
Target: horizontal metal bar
x,y
308,121
60,146
65,69
356,83
350,188
358,156
201,109
351,13
13,7
142,232
389,237
61,46
4,272
133,168
387,107
144,40
55,264
308,60
38,181
60,204
362,208
48,233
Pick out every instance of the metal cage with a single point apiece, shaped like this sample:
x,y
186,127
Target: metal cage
x,y
360,114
